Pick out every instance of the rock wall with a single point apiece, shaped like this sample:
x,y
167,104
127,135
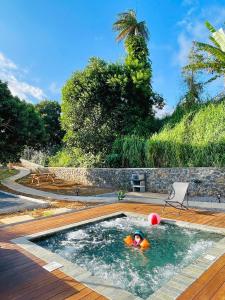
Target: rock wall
x,y
204,181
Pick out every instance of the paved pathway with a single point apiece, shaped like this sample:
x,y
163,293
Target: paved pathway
x,y
153,198
10,203
19,188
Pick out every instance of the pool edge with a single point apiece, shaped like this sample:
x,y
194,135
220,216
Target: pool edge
x,y
170,290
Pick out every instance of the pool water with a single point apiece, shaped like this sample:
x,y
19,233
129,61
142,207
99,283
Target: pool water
x,y
100,249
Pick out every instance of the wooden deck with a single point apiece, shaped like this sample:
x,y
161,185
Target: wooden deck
x,y
22,276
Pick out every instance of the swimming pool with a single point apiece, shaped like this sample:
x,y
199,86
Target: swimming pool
x,y
98,247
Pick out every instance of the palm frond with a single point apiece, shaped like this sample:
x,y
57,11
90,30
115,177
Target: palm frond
x,y
128,25
208,57
212,30
210,27
215,42
124,33
212,79
129,13
143,30
210,66
218,53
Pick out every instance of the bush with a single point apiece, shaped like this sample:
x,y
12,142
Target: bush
x,y
74,157
39,157
127,152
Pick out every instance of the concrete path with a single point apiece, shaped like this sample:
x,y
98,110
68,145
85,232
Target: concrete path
x,y
16,219
19,188
153,198
10,203
193,203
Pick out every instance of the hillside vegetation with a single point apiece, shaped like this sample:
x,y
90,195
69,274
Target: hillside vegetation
x,y
196,138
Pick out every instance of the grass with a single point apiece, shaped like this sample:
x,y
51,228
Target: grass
x,y
5,173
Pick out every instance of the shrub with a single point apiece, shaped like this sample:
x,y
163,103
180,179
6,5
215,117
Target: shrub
x,y
74,157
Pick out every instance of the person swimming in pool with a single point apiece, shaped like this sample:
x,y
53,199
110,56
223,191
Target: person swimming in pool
x,y
138,240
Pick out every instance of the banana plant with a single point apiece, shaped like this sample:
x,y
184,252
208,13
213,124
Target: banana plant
x,y
209,57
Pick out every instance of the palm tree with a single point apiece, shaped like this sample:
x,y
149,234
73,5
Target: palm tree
x,y
210,58
128,26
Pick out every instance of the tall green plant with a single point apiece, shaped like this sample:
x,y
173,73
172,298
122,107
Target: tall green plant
x,y
197,139
133,151
209,58
137,62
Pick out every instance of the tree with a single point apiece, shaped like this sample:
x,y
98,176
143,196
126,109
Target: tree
x,y
20,125
50,113
94,106
128,26
210,58
138,65
194,87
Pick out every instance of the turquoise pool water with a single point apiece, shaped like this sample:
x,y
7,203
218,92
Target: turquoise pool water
x,y
99,248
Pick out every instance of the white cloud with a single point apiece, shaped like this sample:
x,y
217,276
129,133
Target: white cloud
x,y
193,28
54,88
184,48
11,73
160,113
6,63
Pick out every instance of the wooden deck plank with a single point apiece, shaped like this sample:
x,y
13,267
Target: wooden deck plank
x,y
220,294
212,286
83,294
24,278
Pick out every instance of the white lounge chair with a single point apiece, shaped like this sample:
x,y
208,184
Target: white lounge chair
x,y
178,196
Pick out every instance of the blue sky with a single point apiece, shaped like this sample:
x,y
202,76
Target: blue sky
x,y
43,42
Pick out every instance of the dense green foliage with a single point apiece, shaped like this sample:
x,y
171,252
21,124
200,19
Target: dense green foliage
x,y
74,157
107,100
50,113
100,103
107,113
93,109
20,125
197,139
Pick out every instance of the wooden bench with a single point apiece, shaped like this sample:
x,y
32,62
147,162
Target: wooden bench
x,y
38,176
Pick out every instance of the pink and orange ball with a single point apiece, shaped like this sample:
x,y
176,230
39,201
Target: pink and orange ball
x,y
154,219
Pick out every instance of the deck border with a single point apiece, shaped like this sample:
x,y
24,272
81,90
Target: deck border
x,y
170,290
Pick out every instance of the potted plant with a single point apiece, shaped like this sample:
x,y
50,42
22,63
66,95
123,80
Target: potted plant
x,y
121,195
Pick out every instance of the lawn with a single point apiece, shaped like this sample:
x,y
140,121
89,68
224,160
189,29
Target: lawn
x,y
4,173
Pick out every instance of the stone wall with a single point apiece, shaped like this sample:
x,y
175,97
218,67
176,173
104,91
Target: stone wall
x,y
211,180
